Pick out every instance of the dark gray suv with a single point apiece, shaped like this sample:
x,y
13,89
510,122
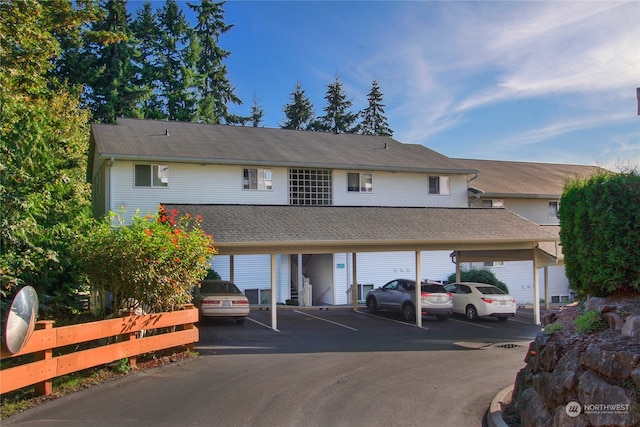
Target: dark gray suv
x,y
399,295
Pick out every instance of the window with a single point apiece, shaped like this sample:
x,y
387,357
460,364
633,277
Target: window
x,y
310,187
360,182
495,203
257,179
494,263
439,185
151,175
553,209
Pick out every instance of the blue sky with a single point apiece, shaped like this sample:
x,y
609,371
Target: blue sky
x,y
505,80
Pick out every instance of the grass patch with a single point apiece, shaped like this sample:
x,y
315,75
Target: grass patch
x,y
590,321
553,328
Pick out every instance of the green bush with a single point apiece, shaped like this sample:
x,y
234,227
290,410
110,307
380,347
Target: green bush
x,y
155,260
600,233
479,276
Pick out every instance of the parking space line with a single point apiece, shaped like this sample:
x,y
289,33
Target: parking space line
x,y
325,320
469,323
391,320
262,324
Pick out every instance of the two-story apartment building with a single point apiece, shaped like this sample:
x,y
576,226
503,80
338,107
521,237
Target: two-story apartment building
x,y
288,207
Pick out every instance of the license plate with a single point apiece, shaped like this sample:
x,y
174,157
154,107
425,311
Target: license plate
x,y
503,303
226,303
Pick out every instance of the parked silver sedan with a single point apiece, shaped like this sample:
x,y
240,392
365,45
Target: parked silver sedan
x,y
220,299
399,295
480,299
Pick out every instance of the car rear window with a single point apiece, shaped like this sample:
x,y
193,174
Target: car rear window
x,y
434,289
490,290
219,288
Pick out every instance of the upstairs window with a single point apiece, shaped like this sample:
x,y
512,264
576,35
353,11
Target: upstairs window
x,y
554,206
439,185
493,203
360,182
151,175
257,179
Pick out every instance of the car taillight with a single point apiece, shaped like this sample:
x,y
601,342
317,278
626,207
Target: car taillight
x,y
425,294
241,302
488,300
210,302
449,295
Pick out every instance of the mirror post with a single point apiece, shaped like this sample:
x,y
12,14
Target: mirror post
x,y
44,388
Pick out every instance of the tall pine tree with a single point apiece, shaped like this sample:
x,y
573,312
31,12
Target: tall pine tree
x,y
337,118
298,113
257,112
216,91
115,85
374,122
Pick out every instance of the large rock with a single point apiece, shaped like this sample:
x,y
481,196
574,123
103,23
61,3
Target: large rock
x,y
614,359
606,404
532,411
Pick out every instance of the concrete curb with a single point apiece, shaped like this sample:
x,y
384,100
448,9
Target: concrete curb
x,y
494,418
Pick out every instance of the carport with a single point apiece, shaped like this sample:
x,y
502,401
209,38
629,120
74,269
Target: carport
x,y
473,234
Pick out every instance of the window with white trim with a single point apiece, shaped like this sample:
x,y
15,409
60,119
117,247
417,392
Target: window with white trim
x,y
494,263
492,203
439,185
151,176
554,207
360,182
257,179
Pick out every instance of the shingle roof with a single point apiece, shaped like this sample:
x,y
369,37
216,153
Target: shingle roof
x,y
523,179
261,229
196,142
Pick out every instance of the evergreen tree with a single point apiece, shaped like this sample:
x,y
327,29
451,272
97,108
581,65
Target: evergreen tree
x,y
374,122
216,91
299,112
115,84
44,197
176,84
147,33
257,113
338,118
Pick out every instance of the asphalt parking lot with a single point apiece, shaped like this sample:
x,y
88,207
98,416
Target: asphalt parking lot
x,y
322,368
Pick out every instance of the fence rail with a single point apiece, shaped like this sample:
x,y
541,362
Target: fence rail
x,y
45,339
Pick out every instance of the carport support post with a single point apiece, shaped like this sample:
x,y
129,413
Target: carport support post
x,y
232,269
354,287
536,291
274,314
418,292
457,267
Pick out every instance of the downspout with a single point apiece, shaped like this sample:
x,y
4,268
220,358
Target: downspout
x,y
477,195
111,163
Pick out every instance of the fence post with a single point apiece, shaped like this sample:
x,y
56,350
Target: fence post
x,y
190,346
44,388
133,361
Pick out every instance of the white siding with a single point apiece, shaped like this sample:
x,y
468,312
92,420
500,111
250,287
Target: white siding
x,y
536,210
399,189
254,272
193,184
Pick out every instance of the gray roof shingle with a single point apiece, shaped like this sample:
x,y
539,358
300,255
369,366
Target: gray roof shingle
x,y
262,229
523,179
196,142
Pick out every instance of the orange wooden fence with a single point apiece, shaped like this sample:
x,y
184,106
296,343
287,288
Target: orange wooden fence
x,y
46,338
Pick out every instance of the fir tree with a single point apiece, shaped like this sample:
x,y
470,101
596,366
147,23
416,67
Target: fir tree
x,y
374,122
257,113
299,112
338,118
216,91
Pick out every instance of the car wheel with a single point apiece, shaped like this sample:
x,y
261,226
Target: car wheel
x,y
372,305
502,319
240,321
471,312
442,316
409,313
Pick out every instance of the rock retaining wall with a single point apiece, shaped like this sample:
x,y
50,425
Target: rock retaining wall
x,y
583,379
